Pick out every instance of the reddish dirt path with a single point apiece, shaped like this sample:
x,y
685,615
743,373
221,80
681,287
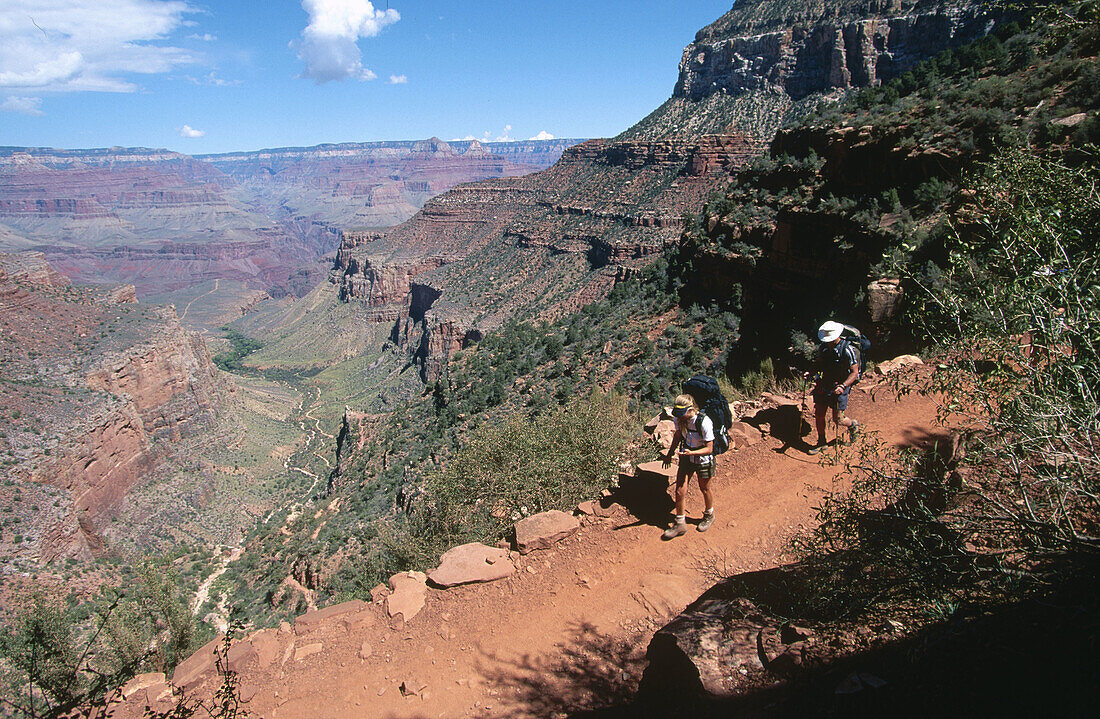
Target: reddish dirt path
x,y
569,629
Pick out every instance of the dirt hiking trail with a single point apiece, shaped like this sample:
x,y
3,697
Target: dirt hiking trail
x,y
569,629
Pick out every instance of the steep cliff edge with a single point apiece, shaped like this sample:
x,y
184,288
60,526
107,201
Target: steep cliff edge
x,y
764,60
98,391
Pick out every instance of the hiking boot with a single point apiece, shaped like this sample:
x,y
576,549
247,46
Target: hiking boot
x,y
816,449
853,432
708,519
676,530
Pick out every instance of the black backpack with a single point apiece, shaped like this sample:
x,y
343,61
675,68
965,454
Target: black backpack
x,y
858,342
704,390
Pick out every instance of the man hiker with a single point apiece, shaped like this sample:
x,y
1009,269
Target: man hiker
x,y
838,370
694,438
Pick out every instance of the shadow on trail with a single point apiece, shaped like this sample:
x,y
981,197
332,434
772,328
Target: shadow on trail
x,y
1027,658
589,671
785,423
645,496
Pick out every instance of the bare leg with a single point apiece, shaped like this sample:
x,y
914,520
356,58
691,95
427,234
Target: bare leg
x,y
708,496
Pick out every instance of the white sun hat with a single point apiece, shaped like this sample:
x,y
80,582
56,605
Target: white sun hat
x,y
830,331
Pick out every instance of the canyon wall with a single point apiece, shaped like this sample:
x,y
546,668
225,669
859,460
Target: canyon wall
x,y
164,221
560,238
99,391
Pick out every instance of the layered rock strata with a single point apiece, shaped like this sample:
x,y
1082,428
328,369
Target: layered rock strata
x,y
164,221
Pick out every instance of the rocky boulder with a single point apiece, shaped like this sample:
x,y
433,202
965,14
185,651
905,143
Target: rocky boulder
x,y
704,650
470,563
890,366
410,591
744,435
543,530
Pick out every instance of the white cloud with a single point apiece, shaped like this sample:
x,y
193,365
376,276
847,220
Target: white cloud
x,y
504,136
23,105
190,132
398,80
87,45
212,79
544,135
328,45
205,37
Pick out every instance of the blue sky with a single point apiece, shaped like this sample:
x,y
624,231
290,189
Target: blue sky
x,y
223,75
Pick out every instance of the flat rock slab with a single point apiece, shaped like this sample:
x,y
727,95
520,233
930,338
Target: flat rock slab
x,y
311,620
308,650
142,681
240,654
656,470
409,592
193,670
664,595
469,563
266,644
543,530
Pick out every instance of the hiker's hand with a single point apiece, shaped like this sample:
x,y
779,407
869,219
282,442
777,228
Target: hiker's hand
x,y
839,390
666,462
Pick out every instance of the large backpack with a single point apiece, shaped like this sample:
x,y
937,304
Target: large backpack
x,y
858,342
704,390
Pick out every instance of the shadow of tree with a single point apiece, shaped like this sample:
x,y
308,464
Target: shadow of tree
x,y
590,671
786,423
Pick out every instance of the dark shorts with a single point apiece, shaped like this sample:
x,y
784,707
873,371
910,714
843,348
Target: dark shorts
x,y
702,471
830,399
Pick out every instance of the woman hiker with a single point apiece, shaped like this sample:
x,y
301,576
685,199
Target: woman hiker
x,y
838,370
694,437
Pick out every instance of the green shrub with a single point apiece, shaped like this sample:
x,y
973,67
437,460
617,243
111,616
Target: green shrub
x,y
513,467
1014,310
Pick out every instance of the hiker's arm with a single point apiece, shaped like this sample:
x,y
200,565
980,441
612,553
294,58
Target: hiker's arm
x,y
853,376
706,449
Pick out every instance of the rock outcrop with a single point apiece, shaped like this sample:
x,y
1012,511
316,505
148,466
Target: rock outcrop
x,y
830,52
763,58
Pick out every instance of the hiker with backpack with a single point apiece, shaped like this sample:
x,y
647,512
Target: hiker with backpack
x,y
693,444
839,364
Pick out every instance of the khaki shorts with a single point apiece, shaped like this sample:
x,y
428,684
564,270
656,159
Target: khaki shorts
x,y
702,471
